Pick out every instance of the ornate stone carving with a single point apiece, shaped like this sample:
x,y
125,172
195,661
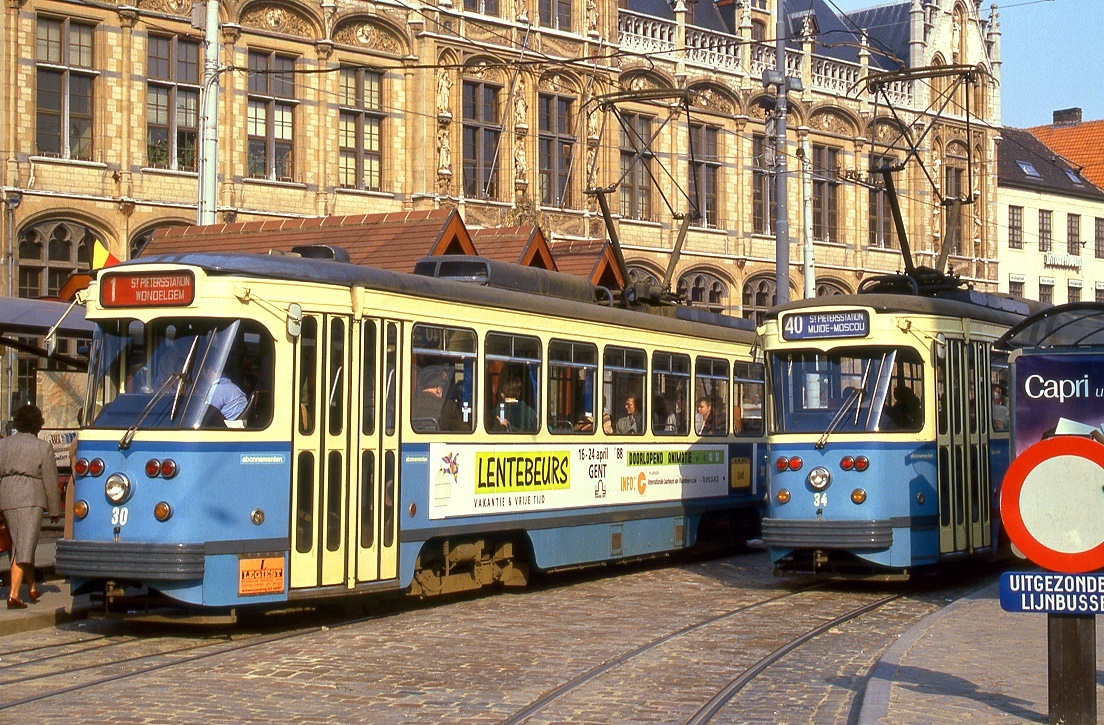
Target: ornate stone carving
x,y
557,83
169,7
560,47
832,123
444,152
276,19
128,17
369,35
521,106
710,100
521,168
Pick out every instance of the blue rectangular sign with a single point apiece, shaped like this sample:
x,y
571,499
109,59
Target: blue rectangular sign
x,y
1057,393
1050,593
817,325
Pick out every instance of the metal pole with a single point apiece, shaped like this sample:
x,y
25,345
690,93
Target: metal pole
x,y
807,210
10,203
782,222
208,151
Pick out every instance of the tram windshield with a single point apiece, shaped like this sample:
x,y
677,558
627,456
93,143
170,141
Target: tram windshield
x,y
180,373
851,390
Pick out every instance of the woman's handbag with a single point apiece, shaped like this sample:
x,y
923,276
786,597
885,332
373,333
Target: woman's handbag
x,y
5,536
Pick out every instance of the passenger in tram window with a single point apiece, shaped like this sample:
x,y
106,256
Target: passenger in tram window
x,y
607,423
514,415
1000,408
632,423
906,413
665,420
228,400
703,419
432,409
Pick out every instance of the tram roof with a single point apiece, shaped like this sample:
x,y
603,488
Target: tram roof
x,y
967,304
1077,324
687,321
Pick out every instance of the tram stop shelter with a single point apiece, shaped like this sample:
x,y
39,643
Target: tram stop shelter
x,y
1051,500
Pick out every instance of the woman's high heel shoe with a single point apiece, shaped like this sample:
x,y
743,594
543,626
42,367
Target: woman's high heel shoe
x,y
16,603
34,595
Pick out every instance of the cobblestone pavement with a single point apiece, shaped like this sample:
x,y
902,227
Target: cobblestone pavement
x,y
486,659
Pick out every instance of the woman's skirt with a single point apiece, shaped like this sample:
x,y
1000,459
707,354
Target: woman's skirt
x,y
24,524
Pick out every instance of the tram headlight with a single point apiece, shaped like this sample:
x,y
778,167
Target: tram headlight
x,y
117,488
819,478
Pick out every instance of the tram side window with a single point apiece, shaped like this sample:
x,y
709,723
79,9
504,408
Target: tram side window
x,y
443,378
904,409
670,393
308,365
623,375
747,398
998,374
711,397
572,372
513,383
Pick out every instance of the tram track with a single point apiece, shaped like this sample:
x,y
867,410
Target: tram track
x,y
136,665
712,708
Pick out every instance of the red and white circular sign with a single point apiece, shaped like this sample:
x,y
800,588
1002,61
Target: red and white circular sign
x,y
1052,504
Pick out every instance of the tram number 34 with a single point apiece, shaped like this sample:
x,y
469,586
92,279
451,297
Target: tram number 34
x,y
119,516
820,499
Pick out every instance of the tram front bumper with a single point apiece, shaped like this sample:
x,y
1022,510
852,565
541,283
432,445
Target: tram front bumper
x,y
854,535
126,560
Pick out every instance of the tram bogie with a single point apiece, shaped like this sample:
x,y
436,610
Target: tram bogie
x,y
270,430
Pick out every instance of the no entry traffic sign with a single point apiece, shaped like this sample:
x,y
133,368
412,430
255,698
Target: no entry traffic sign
x,y
1052,504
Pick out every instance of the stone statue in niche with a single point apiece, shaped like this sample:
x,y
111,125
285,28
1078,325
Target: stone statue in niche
x,y
444,91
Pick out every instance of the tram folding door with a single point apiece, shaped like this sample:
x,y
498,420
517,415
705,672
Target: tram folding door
x,y
344,459
963,443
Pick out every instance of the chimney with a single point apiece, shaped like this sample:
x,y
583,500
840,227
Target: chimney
x,y
1067,117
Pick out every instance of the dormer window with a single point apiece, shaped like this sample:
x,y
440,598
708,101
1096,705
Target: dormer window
x,y
1028,169
1073,177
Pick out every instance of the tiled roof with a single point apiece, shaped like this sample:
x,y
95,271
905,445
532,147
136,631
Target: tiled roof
x,y
393,241
1025,162
1081,143
518,245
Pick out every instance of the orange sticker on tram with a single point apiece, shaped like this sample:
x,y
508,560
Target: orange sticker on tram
x,y
263,575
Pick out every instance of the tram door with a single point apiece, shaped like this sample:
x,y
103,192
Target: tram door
x,y
345,449
962,428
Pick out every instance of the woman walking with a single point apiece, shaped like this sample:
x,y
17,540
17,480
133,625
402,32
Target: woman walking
x,y
28,485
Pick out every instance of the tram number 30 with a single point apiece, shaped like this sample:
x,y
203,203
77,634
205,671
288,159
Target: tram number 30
x,y
820,499
119,516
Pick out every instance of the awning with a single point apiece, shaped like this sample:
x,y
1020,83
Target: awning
x,y
1077,324
23,318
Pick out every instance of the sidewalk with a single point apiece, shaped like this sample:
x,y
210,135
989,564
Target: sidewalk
x,y
969,662
54,607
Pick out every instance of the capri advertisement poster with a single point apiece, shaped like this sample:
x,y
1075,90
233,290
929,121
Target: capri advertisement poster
x,y
1057,395
474,480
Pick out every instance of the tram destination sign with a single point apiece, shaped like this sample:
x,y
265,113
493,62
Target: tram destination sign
x,y
1051,593
817,325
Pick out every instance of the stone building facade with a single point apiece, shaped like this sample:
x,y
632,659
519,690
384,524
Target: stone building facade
x,y
509,111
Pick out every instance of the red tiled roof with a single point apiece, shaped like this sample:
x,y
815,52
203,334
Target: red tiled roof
x,y
589,258
1081,143
393,241
523,245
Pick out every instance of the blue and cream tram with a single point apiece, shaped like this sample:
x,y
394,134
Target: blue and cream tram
x,y
263,429
888,428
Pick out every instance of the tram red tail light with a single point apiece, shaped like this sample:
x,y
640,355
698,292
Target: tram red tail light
x,y
168,468
855,463
795,463
862,463
81,467
96,467
153,468
782,463
847,463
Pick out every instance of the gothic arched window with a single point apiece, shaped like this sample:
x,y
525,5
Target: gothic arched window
x,y
760,294
829,289
702,289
